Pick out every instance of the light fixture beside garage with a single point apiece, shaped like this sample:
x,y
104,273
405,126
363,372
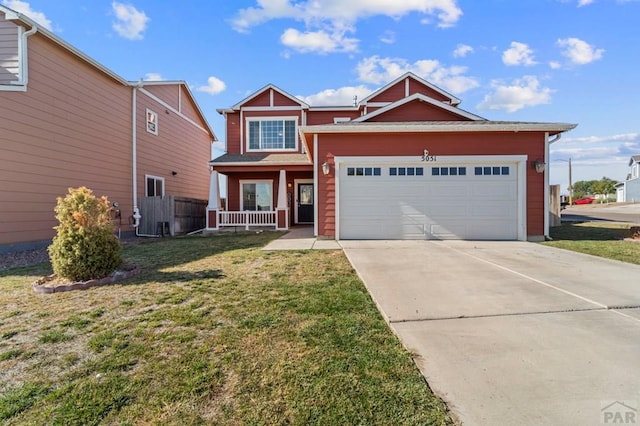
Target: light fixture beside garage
x,y
539,165
325,168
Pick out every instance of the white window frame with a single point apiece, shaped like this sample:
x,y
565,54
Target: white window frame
x,y
249,120
153,114
255,181
146,184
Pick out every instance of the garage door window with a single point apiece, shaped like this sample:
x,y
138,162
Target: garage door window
x,y
363,171
406,171
448,171
492,171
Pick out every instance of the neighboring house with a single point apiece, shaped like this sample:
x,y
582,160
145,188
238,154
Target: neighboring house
x,y
404,163
629,190
67,121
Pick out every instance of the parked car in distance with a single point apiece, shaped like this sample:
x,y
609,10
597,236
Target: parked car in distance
x,y
584,200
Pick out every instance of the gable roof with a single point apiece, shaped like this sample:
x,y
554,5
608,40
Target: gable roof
x,y
634,159
421,98
452,99
12,15
259,92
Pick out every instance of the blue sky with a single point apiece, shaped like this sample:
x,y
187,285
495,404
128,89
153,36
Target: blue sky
x,y
573,61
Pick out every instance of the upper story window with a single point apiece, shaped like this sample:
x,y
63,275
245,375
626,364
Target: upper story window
x,y
152,122
272,134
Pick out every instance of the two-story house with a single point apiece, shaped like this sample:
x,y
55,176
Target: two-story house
x,y
629,189
403,163
68,121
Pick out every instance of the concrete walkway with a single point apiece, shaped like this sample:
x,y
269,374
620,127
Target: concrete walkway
x,y
301,238
511,332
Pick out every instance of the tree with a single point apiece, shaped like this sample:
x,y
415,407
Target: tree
x,y
591,187
85,246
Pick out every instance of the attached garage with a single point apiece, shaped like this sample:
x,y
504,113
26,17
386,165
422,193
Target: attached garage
x,y
453,197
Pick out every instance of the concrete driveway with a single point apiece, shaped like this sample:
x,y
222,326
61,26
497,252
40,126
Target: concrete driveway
x,y
512,332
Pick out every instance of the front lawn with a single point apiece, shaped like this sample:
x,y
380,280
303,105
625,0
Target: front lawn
x,y
604,239
213,331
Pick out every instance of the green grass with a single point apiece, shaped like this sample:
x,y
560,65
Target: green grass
x,y
213,331
603,239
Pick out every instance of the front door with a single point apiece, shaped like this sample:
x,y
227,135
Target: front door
x,y
305,203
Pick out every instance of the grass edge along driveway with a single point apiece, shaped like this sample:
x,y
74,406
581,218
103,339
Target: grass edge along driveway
x,y
602,239
214,331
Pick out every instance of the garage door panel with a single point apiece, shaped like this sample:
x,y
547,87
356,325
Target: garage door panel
x,y
433,205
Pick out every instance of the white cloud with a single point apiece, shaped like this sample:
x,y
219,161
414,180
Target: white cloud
x,y
388,37
25,8
318,41
377,70
578,51
333,97
213,87
462,50
523,92
153,76
518,54
554,65
584,2
340,11
131,22
327,21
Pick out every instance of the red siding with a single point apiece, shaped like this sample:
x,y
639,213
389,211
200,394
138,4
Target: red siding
x,y
417,87
417,111
326,117
281,100
168,93
392,94
522,143
263,99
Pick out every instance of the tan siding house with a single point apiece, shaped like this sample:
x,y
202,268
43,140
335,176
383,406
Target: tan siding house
x,y
67,121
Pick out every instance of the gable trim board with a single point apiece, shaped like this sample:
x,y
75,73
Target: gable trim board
x,y
419,97
381,210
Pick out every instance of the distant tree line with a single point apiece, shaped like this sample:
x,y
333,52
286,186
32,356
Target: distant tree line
x,y
592,187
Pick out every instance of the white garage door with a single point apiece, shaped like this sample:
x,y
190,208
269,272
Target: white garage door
x,y
429,201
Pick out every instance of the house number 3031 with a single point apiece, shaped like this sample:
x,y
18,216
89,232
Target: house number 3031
x,y
426,157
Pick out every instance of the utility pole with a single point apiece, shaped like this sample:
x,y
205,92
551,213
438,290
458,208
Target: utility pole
x,y
570,185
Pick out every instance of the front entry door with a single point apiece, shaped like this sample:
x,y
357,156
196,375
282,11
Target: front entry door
x,y
305,203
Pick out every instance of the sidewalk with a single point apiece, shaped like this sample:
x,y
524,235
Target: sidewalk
x,y
301,238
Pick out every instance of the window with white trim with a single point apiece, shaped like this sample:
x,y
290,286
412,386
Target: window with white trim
x,y
154,186
272,134
152,122
256,195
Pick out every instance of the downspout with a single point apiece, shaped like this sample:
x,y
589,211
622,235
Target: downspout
x,y
24,51
134,147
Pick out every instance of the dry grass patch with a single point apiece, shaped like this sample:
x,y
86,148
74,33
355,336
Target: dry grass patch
x,y
213,331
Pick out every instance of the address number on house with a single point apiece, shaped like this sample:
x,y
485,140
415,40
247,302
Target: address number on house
x,y
428,158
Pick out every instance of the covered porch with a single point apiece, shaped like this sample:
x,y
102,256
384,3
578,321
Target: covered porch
x,y
274,190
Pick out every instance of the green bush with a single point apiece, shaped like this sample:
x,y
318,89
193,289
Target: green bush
x,y
85,246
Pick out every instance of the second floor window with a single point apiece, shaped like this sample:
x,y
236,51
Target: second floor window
x,y
272,134
152,122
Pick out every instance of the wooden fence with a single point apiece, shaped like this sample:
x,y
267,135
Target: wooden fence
x,y
171,215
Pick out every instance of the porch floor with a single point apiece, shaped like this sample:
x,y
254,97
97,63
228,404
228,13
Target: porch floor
x,y
301,238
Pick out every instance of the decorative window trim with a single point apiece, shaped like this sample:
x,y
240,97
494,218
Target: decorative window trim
x,y
242,182
155,179
151,120
261,119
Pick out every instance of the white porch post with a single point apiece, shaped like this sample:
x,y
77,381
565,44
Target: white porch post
x,y
214,201
282,210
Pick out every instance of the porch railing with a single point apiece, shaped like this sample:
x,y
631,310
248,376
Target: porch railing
x,y
247,218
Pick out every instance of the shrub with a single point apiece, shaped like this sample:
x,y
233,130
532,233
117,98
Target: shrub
x,y
85,246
